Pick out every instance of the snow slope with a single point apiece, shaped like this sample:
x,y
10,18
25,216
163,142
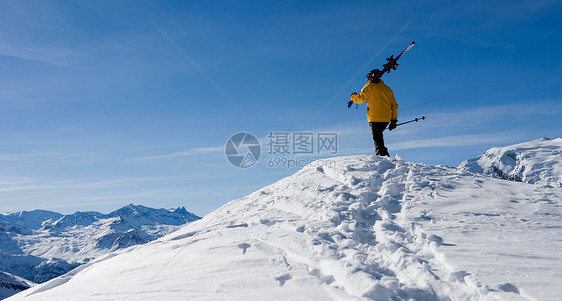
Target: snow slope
x,y
365,228
536,162
11,284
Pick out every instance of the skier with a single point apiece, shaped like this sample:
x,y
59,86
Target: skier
x,y
381,108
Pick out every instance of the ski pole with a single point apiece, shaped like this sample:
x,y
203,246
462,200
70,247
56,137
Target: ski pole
x,y
413,120
416,120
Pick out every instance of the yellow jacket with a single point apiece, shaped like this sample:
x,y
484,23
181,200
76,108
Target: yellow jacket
x,y
381,104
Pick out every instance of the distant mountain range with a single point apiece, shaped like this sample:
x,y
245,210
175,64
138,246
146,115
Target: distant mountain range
x,y
39,245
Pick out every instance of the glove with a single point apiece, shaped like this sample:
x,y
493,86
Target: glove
x,y
354,93
349,104
392,125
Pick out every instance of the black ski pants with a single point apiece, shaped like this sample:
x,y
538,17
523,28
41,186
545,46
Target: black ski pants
x,y
376,129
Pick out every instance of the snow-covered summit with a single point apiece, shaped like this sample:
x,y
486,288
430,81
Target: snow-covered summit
x,y
536,162
30,219
141,215
356,228
77,219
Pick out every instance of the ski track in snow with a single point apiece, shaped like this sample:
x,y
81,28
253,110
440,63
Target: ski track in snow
x,y
370,228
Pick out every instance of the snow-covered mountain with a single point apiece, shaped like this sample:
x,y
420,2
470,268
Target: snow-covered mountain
x,y
356,228
11,284
30,219
536,162
41,245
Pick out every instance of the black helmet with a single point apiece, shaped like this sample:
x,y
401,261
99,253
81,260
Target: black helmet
x,y
373,74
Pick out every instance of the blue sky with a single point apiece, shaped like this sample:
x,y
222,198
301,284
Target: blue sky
x,y
107,103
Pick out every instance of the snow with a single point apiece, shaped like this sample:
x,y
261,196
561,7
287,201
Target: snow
x,y
30,219
535,162
41,245
78,237
11,284
364,228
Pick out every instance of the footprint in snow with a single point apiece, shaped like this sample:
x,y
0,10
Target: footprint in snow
x,y
244,247
243,225
391,205
508,287
458,276
436,239
283,278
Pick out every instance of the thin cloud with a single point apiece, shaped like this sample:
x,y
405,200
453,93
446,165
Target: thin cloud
x,y
26,188
451,141
34,156
486,114
189,152
52,55
24,184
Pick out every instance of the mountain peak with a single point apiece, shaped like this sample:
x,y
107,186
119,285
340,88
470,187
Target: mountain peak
x,y
31,219
181,210
134,208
